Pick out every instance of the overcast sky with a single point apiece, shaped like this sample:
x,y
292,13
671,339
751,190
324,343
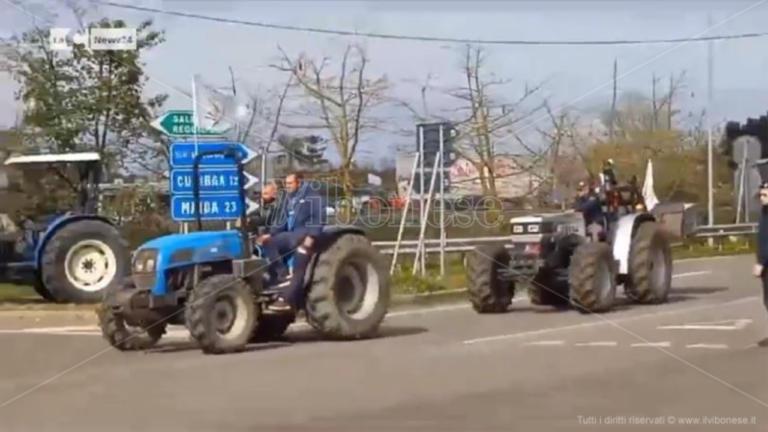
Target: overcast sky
x,y
570,73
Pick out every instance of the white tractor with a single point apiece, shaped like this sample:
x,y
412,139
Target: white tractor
x,y
562,265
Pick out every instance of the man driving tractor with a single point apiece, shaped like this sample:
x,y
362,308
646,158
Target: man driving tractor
x,y
298,222
588,203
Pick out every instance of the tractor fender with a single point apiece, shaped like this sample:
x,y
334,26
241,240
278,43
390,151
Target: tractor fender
x,y
58,224
329,237
622,237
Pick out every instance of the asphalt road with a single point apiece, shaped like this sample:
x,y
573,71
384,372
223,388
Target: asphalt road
x,y
441,369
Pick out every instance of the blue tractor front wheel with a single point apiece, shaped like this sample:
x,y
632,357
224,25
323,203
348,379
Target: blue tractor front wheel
x,y
222,314
127,333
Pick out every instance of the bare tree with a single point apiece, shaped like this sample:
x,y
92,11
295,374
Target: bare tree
x,y
488,121
565,159
339,103
637,113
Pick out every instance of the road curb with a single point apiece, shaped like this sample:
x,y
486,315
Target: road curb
x,y
714,257
426,299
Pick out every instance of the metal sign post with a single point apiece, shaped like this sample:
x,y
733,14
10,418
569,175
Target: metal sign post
x,y
422,209
442,202
434,140
421,251
408,198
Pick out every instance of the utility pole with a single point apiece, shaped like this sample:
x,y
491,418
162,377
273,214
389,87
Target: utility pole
x,y
710,155
612,126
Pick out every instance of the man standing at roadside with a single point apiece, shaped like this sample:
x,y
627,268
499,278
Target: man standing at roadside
x,y
761,266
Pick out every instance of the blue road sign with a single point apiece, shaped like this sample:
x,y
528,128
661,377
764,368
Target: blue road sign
x,y
214,180
212,207
183,154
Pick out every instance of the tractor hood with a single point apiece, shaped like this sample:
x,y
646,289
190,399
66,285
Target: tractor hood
x,y
198,247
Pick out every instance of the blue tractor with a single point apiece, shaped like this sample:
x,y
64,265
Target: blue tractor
x,y
73,256
215,284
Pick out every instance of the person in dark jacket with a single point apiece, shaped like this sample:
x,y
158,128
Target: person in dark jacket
x,y
298,223
274,203
588,204
762,249
266,215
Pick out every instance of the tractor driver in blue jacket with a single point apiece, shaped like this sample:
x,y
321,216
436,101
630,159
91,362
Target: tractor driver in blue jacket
x,y
588,204
295,232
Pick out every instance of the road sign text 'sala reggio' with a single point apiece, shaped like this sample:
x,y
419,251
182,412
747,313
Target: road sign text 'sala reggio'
x,y
181,124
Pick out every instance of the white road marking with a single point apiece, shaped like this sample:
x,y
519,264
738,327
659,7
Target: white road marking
x,y
653,344
605,343
546,343
86,331
606,321
61,329
688,274
708,346
738,324
427,310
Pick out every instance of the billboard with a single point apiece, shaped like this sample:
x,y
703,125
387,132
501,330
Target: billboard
x,y
514,178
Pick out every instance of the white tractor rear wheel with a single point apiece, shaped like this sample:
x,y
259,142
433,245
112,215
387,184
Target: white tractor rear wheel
x,y
650,266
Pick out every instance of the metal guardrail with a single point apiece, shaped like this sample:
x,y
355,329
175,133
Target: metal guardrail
x,y
410,247
725,230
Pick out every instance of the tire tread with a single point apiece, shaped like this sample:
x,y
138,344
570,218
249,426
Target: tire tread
x,y
486,293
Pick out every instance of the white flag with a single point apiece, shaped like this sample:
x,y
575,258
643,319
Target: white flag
x,y
215,110
374,180
648,194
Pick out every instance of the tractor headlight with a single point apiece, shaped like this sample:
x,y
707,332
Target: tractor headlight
x,y
145,261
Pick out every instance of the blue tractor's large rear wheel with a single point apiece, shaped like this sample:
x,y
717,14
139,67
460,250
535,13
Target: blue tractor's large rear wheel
x,y
83,260
349,291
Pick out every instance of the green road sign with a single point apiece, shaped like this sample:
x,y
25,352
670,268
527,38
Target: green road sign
x,y
181,124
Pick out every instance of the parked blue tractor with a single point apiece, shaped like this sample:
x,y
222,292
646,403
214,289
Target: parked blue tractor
x,y
214,283
74,256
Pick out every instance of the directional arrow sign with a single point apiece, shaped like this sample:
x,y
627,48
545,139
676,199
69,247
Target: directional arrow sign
x,y
183,154
211,180
181,124
212,207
